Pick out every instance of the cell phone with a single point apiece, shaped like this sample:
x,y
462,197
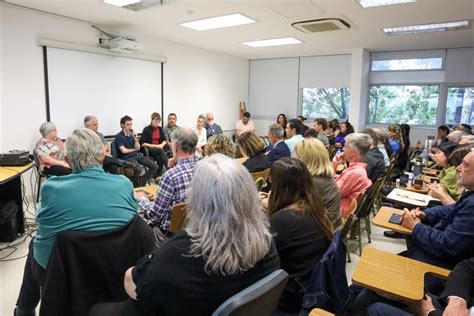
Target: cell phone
x,y
396,219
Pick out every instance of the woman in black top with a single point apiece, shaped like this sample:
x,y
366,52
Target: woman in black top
x,y
281,119
301,226
253,147
153,139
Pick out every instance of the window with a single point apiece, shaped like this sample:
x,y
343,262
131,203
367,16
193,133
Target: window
x,y
408,64
460,105
326,102
410,104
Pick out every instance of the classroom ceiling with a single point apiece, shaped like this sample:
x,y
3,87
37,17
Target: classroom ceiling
x,y
274,20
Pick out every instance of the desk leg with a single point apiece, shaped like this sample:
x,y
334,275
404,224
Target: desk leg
x,y
11,190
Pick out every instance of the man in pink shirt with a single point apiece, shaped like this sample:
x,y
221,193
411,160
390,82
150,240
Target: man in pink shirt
x,y
353,180
244,125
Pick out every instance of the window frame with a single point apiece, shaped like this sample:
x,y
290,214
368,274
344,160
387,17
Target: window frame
x,y
443,62
447,86
308,118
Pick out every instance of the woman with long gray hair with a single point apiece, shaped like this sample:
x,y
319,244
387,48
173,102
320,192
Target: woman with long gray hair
x,y
225,247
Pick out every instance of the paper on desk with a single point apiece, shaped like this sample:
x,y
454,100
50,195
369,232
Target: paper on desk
x,y
408,197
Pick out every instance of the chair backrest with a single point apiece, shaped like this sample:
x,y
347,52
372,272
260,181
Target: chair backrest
x,y
261,174
326,287
178,214
353,207
368,202
260,298
86,268
114,151
259,183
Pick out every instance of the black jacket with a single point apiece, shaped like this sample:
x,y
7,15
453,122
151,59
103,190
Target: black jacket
x,y
148,133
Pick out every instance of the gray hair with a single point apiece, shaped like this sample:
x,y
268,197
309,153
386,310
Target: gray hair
x,y
359,141
84,149
186,139
276,130
455,136
371,132
226,224
88,118
381,135
46,127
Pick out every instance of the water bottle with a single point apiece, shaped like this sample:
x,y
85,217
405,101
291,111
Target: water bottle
x,y
424,157
418,167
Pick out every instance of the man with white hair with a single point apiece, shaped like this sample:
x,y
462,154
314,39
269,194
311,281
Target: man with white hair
x,y
353,180
211,127
174,185
277,148
88,200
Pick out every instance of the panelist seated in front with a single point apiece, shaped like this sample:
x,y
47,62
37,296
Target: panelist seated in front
x,y
50,151
87,200
226,246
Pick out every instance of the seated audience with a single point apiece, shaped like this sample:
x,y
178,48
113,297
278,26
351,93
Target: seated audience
x,y
465,128
442,136
170,128
212,128
244,125
129,149
153,140
294,130
50,152
374,158
301,226
381,137
277,148
110,163
253,147
331,133
402,159
447,177
345,129
219,144
395,138
314,155
337,126
87,200
455,136
226,246
353,179
201,134
282,121
455,159
321,125
466,140
443,235
174,185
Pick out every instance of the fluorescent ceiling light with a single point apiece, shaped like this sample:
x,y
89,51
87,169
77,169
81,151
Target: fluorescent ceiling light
x,y
425,28
218,22
273,42
380,3
121,3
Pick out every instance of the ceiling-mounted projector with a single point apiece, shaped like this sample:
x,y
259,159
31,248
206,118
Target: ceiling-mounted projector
x,y
125,44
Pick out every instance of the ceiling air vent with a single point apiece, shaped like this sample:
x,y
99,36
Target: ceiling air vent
x,y
321,25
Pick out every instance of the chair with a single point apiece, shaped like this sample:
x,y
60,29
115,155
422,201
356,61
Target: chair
x,y
40,174
126,171
260,298
331,151
349,222
86,268
260,178
178,215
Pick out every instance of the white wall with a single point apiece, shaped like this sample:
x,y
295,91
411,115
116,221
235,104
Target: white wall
x,y
195,80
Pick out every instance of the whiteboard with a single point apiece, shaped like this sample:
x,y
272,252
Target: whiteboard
x,y
108,87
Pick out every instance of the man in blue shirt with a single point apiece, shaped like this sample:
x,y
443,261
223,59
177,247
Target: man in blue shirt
x,y
127,143
211,127
87,200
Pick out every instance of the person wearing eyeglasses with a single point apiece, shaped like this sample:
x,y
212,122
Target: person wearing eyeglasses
x,y
211,127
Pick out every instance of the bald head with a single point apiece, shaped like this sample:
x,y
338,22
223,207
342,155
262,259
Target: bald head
x,y
185,139
210,118
91,123
466,172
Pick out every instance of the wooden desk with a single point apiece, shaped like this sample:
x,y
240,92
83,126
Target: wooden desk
x,y
382,217
394,275
241,160
431,172
151,189
411,188
320,312
10,188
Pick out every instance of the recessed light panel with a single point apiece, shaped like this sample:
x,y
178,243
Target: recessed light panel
x,y
380,3
218,22
121,3
426,28
274,42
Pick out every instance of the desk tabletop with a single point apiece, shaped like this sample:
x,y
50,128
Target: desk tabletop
x,y
394,275
150,189
410,198
320,312
9,172
382,217
241,160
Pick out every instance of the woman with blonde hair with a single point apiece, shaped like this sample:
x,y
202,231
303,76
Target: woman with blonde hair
x,y
253,147
314,155
395,138
219,144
